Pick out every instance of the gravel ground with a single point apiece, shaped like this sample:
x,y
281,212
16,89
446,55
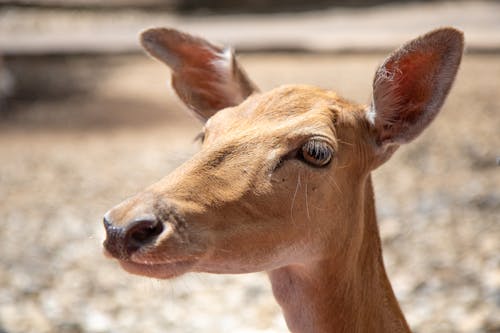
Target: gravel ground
x,y
66,161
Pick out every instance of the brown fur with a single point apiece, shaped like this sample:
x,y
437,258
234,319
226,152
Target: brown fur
x,y
247,202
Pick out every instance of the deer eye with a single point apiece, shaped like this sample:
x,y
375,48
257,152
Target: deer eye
x,y
316,153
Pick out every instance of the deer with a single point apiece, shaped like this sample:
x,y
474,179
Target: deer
x,y
282,181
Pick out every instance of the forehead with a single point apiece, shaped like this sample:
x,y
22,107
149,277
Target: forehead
x,y
299,107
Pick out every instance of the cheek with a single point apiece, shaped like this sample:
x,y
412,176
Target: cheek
x,y
306,200
303,194
262,231
262,238
314,203
265,247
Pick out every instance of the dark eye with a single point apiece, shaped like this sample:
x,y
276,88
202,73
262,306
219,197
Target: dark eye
x,y
316,152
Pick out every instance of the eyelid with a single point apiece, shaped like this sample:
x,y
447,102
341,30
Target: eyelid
x,y
298,143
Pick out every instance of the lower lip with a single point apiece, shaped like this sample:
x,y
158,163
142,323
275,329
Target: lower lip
x,y
158,271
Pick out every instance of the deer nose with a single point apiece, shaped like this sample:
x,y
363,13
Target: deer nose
x,y
122,241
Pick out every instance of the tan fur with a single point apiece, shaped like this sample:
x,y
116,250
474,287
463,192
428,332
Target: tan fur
x,y
247,203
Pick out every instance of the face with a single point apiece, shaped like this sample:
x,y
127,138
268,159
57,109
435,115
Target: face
x,y
268,182
281,176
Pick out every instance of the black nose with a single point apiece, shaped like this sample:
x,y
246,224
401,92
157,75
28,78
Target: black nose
x,y
122,241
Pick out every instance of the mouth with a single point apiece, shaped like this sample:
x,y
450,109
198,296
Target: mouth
x,y
167,270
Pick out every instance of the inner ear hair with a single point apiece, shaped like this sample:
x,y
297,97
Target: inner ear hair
x,y
411,85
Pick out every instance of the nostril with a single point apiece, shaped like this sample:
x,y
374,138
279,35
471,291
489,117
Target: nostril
x,y
146,231
141,233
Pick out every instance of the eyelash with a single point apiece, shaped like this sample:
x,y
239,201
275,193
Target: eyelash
x,y
316,153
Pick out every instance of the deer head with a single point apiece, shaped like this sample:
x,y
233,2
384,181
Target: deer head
x,y
281,175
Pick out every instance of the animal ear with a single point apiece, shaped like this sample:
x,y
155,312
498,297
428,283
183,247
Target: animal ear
x,y
411,85
207,78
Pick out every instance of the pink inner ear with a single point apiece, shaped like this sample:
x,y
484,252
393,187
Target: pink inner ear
x,y
196,87
415,82
411,86
195,55
196,78
406,92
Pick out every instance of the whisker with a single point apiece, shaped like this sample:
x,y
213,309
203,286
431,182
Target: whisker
x,y
331,180
224,250
343,166
345,142
307,207
293,199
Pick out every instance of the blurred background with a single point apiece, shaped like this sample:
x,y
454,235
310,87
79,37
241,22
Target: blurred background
x,y
86,119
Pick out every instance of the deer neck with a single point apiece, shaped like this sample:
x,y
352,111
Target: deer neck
x,y
330,296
